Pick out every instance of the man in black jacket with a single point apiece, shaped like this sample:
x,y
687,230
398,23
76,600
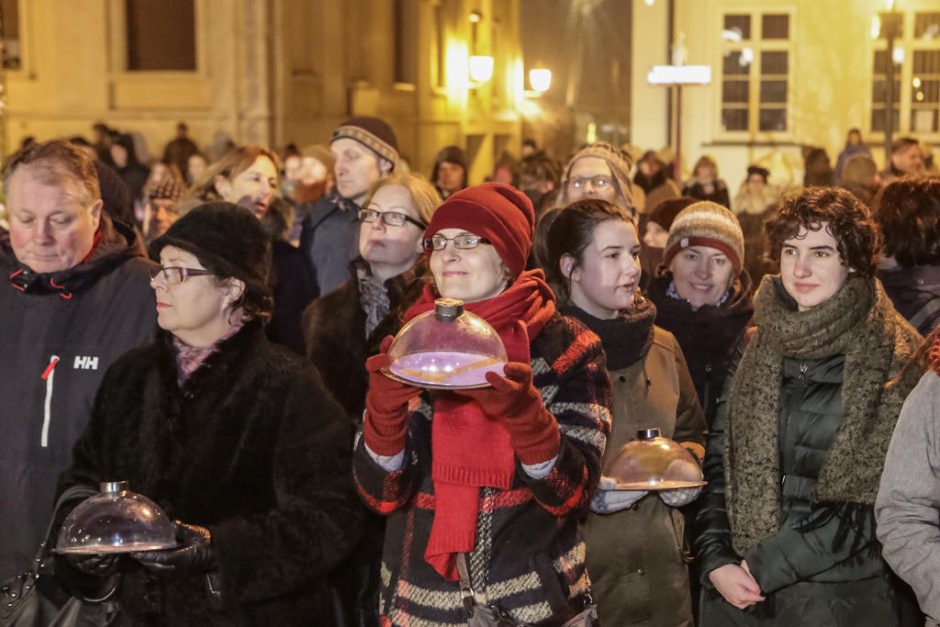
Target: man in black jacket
x,y
74,296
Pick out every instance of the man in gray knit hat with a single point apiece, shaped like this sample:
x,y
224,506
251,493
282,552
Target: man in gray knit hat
x,y
366,150
598,170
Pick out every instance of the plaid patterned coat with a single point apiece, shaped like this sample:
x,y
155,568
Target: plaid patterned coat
x,y
529,557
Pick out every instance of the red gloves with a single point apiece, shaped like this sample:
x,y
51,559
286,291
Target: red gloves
x,y
386,419
515,402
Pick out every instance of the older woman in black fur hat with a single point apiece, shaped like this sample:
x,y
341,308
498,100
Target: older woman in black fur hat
x,y
234,437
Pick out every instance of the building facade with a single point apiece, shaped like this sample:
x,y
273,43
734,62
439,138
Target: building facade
x,y
786,74
266,72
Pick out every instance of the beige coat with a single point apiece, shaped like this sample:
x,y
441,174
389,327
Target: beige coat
x,y
635,557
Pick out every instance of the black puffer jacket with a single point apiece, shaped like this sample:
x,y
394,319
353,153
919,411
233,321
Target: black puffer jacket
x,y
787,562
251,447
72,333
707,336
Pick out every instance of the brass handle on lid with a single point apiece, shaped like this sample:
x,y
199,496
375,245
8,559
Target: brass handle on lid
x,y
448,309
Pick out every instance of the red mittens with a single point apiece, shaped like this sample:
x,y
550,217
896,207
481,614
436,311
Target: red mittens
x,y
386,418
514,401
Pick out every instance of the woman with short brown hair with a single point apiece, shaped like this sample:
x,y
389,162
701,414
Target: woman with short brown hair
x,y
796,451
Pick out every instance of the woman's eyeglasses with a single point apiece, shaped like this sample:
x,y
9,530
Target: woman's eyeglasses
x,y
462,242
389,218
174,275
601,181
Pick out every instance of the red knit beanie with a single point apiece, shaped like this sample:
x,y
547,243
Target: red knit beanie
x,y
499,212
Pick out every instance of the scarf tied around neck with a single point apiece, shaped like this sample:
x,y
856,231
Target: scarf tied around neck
x,y
469,449
858,322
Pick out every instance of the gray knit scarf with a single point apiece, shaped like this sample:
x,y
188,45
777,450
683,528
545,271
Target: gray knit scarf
x,y
858,322
373,298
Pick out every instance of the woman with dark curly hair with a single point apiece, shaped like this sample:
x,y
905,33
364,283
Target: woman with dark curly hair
x,y
908,212
786,526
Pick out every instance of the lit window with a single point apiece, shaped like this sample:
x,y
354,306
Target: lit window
x,y
916,57
755,72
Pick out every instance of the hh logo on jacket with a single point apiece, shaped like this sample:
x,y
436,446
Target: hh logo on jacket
x,y
85,362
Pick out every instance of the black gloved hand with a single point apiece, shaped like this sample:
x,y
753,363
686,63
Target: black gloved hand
x,y
195,553
96,565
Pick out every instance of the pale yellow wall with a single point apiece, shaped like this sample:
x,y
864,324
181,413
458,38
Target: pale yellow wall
x,y
830,81
73,76
649,124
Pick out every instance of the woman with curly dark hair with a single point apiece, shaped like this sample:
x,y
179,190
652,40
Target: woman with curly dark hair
x,y
908,212
786,525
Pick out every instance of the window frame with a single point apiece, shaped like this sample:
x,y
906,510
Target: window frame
x,y
118,57
758,45
905,73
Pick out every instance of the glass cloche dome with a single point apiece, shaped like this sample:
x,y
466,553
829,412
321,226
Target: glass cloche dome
x,y
447,348
116,521
652,462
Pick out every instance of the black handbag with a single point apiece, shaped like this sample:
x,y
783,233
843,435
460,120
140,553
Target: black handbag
x,y
26,600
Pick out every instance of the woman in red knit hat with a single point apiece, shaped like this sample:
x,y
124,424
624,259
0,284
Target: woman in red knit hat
x,y
490,482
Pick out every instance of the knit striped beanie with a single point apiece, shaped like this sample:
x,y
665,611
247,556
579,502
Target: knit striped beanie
x,y
706,224
373,133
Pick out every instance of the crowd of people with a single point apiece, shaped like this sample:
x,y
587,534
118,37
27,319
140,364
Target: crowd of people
x,y
217,332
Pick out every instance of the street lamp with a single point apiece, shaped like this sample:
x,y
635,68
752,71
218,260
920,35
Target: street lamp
x,y
540,79
481,68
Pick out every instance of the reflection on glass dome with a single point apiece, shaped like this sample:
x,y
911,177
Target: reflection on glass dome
x,y
447,348
652,462
116,521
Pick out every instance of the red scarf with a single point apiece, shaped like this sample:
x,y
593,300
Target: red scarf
x,y
469,449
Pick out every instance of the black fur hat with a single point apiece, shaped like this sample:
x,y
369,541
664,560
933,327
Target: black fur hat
x,y
228,240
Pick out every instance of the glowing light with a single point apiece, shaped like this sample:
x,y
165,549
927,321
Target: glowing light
x,y
531,108
591,135
679,75
481,68
475,17
649,3
732,34
897,55
920,96
540,79
889,5
747,56
875,27
916,82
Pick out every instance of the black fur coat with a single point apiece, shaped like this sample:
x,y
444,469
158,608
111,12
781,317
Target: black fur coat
x,y
251,447
334,330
